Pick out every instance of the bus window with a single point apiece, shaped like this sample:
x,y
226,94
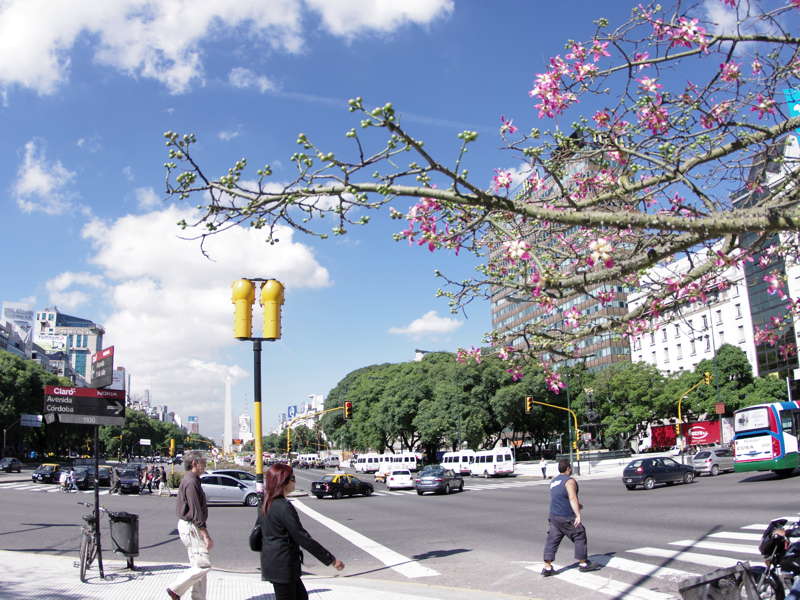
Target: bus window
x,y
787,421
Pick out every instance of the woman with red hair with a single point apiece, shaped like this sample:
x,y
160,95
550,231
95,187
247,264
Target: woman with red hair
x,y
282,535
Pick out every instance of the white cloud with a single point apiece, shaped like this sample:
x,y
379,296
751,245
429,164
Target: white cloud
x,y
228,135
725,20
62,296
127,171
245,79
147,198
428,324
170,309
91,144
42,185
163,41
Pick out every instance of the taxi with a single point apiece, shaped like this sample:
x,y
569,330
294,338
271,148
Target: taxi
x,y
46,473
340,485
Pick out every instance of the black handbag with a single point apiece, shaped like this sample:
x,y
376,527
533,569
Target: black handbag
x,y
255,537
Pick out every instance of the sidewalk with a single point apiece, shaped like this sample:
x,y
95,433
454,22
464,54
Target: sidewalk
x,y
28,576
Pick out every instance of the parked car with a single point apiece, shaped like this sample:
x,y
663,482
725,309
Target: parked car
x,y
129,482
46,473
437,479
104,479
339,485
647,472
400,478
243,476
713,461
225,489
9,464
84,478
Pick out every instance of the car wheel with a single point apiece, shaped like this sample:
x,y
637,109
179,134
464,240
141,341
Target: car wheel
x,y
447,489
368,492
649,483
338,495
630,487
486,474
688,477
319,496
251,500
714,471
461,487
419,492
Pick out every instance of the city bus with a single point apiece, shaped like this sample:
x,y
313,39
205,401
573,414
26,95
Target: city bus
x,y
765,437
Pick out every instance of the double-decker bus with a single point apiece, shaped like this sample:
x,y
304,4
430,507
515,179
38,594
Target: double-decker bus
x,y
765,437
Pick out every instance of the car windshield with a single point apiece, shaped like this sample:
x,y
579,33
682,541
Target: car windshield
x,y
327,478
401,473
245,475
46,468
703,454
634,464
129,474
432,470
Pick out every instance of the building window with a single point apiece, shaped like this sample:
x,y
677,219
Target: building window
x,y
637,343
678,352
738,308
705,322
708,343
719,317
652,339
69,341
677,330
693,347
741,334
666,355
721,336
653,357
664,334
736,290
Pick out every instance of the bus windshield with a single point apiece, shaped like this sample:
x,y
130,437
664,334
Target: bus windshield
x,y
753,418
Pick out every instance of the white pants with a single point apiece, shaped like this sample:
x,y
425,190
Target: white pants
x,y
199,560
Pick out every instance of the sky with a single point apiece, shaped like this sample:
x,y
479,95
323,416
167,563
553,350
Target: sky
x,y
87,90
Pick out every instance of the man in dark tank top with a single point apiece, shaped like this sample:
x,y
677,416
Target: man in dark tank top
x,y
565,520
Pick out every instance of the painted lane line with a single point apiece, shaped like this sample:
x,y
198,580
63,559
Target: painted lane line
x,y
717,546
695,558
619,590
733,535
390,558
640,568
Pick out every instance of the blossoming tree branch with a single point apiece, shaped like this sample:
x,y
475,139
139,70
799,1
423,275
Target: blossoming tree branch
x,y
650,143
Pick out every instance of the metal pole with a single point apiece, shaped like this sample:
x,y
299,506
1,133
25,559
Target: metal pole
x,y
258,442
569,428
97,498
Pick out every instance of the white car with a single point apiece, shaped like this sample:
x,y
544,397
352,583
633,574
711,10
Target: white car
x,y
224,489
399,479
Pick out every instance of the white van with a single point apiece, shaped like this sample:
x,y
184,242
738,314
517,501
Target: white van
x,y
406,460
367,463
489,463
460,462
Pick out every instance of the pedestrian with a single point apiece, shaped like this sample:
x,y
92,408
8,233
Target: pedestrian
x,y
192,511
543,467
115,484
62,480
282,535
565,520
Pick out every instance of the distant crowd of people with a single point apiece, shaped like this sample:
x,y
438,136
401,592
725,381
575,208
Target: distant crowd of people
x,y
150,477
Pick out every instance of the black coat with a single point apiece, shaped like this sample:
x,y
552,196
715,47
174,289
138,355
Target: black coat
x,y
282,535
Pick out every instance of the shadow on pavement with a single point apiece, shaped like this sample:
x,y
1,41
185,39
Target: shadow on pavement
x,y
35,526
272,596
439,553
769,476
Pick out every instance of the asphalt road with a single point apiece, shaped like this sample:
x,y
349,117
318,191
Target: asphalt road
x,y
489,537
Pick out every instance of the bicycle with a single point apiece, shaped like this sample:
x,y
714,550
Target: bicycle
x,y
90,549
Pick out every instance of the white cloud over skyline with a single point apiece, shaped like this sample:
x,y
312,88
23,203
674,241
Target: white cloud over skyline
x,y
429,324
42,185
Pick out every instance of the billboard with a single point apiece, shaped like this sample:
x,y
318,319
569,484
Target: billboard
x,y
20,315
192,420
292,411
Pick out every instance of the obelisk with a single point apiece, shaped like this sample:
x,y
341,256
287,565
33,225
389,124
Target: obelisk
x,y
227,436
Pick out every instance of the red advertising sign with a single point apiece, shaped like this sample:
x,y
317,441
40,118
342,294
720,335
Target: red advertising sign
x,y
702,433
87,406
76,392
108,352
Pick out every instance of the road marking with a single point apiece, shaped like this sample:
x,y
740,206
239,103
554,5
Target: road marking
x,y
759,526
707,560
734,535
390,558
717,546
598,583
639,568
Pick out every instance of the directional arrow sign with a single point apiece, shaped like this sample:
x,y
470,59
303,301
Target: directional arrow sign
x,y
103,368
85,406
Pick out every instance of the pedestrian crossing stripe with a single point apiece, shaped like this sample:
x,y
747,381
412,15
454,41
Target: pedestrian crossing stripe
x,y
604,585
717,546
706,560
737,535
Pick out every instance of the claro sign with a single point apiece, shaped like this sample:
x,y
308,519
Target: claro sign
x,y
704,432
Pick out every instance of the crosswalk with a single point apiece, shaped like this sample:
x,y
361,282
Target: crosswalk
x,y
656,573
42,488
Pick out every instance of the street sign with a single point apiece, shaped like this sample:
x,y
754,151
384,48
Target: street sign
x,y
85,406
144,442
30,420
103,368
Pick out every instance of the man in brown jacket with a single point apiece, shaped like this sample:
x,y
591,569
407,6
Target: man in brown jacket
x,y
192,511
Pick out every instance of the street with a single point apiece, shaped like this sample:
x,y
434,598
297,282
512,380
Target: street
x,y
489,537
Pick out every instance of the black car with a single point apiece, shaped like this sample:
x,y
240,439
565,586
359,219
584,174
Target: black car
x,y
647,472
9,464
129,482
104,479
46,473
340,485
437,479
84,478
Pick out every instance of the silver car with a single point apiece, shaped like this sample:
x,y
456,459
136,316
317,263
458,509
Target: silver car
x,y
713,461
223,489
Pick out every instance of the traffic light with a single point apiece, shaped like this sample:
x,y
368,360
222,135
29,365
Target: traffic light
x,y
707,378
272,300
172,446
348,410
243,295
528,404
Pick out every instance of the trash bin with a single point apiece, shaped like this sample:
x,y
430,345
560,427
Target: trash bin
x,y
125,533
731,583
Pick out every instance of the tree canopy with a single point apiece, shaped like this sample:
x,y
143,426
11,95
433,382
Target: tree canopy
x,y
668,141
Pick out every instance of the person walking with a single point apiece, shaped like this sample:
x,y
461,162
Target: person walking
x,y
192,512
282,535
565,520
543,467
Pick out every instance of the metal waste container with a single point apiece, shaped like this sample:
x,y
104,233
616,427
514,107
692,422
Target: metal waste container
x,y
731,583
125,533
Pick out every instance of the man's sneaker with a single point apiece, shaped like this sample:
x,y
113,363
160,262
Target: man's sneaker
x,y
548,572
587,567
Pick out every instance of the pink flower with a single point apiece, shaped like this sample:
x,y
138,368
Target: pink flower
x,y
764,105
553,382
729,72
775,286
654,117
502,179
796,3
601,252
717,115
756,66
648,84
577,52
505,352
599,50
584,70
515,373
640,57
518,250
602,118
507,127
571,318
731,3
686,33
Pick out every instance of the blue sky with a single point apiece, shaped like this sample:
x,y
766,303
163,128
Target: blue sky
x,y
88,90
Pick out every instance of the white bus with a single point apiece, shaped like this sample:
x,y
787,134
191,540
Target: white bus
x,y
367,463
460,462
490,463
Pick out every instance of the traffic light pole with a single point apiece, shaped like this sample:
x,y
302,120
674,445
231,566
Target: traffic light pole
x,y
303,418
258,450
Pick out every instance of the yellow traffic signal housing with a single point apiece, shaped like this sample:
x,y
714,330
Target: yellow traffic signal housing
x,y
708,378
243,295
528,404
348,410
272,300
172,446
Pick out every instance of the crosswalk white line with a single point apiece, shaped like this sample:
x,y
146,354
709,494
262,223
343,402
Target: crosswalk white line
x,y
717,546
708,560
737,535
639,568
619,590
759,526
